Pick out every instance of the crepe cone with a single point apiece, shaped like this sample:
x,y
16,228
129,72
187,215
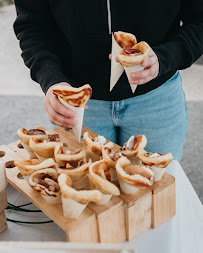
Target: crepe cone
x,y
51,199
126,188
71,208
3,181
105,198
29,150
116,68
79,111
128,70
158,173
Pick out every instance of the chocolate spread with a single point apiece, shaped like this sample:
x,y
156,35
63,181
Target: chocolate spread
x,y
50,184
36,132
54,137
130,51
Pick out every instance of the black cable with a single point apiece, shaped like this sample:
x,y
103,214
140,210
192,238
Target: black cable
x,y
29,222
18,208
26,204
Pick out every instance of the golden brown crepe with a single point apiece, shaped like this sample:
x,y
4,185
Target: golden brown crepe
x,y
45,182
76,97
132,177
74,201
125,39
130,57
133,145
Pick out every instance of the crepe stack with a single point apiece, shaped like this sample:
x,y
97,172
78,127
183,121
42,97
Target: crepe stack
x,y
75,165
27,167
93,146
44,149
132,177
25,136
74,201
131,58
111,155
75,100
99,176
119,40
158,162
45,182
132,146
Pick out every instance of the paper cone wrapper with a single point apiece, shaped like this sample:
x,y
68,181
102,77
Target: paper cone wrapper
x,y
3,181
79,111
71,208
116,68
105,198
158,173
29,150
52,200
92,156
129,70
126,188
83,182
114,175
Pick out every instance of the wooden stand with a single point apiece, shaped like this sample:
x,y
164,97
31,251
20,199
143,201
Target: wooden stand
x,y
3,222
110,221
163,200
137,212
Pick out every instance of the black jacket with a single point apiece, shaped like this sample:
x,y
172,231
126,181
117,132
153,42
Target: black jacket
x,y
70,40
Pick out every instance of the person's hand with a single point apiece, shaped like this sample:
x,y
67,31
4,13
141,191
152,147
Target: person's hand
x,y
58,114
150,71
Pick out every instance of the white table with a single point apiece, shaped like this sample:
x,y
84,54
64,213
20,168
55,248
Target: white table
x,y
183,233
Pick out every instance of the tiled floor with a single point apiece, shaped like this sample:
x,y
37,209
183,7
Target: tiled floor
x,y
21,100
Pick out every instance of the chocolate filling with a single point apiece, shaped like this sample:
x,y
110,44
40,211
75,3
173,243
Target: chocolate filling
x,y
50,183
131,51
54,137
36,132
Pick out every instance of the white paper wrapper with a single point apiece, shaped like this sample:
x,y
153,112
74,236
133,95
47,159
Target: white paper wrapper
x,y
114,175
29,150
40,157
126,188
52,200
158,173
71,208
92,156
128,70
3,181
116,68
79,111
105,198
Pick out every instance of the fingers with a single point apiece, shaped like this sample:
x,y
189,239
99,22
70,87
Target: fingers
x,y
59,108
57,118
110,57
149,61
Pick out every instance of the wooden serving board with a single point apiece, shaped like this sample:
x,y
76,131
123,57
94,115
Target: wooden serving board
x,y
109,223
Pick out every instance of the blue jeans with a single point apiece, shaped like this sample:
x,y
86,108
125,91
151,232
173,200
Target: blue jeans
x,y
161,115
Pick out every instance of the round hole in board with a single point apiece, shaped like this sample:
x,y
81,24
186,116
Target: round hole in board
x,y
20,176
9,164
65,145
20,145
2,153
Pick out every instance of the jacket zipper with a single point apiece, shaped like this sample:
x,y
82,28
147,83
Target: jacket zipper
x,y
109,16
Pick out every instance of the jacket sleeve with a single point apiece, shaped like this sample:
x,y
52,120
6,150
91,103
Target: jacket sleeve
x,y
185,45
37,33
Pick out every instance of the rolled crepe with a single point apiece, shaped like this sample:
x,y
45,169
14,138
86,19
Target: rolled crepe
x,y
158,162
131,59
99,174
119,40
45,182
111,155
74,201
133,145
27,167
44,149
132,177
93,146
25,136
75,100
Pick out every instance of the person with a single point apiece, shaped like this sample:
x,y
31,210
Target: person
x,y
68,42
